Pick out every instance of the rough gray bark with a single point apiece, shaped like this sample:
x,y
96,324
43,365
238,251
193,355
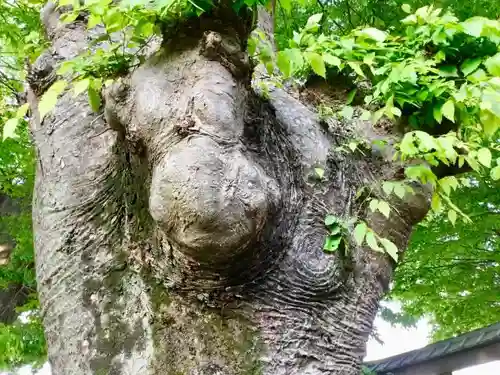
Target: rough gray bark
x,y
180,231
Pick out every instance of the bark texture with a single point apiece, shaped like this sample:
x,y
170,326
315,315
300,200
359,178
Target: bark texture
x,y
180,230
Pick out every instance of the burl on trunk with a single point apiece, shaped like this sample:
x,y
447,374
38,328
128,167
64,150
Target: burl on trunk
x,y
179,230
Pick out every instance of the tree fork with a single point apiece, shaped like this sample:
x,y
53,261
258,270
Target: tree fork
x,y
180,232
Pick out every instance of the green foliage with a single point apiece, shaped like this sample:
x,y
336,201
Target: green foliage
x,y
342,16
336,228
439,75
450,272
22,342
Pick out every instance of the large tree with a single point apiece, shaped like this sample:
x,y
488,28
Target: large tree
x,y
180,223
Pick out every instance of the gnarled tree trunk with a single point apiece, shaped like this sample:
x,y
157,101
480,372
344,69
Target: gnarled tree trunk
x,y
179,231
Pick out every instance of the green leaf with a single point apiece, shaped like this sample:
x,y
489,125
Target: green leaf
x,y
81,86
9,129
21,111
436,202
347,112
360,232
387,187
384,208
390,248
495,173
474,26
473,163
93,21
372,241
332,243
490,122
357,68
470,65
396,111
438,113
336,229
284,63
49,99
366,115
320,172
406,8
252,45
330,220
484,156
331,60
373,33
448,110
493,65
286,5
452,216
478,76
448,183
313,21
317,63
448,71
350,96
399,190
94,99
373,205
420,173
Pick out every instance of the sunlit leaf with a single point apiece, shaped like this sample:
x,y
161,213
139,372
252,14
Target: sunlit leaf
x,y
452,216
406,8
474,26
314,20
373,205
399,190
387,187
384,208
484,157
320,172
330,220
356,67
317,63
347,112
495,173
9,129
331,60
493,65
94,99
81,86
49,99
374,34
371,241
448,110
360,232
390,248
470,65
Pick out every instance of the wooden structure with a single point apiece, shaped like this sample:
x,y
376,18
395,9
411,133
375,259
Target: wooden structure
x,y
444,357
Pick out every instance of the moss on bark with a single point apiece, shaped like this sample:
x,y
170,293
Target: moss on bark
x,y
191,338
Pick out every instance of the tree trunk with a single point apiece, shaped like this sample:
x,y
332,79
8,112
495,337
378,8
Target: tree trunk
x,y
180,230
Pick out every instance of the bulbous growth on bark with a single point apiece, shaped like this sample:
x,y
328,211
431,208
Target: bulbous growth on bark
x,y
180,231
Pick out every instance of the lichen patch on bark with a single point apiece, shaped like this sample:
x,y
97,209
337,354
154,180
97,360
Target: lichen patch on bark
x,y
193,339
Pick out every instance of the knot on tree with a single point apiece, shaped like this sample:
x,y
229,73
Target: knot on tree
x,y
228,51
211,200
209,195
